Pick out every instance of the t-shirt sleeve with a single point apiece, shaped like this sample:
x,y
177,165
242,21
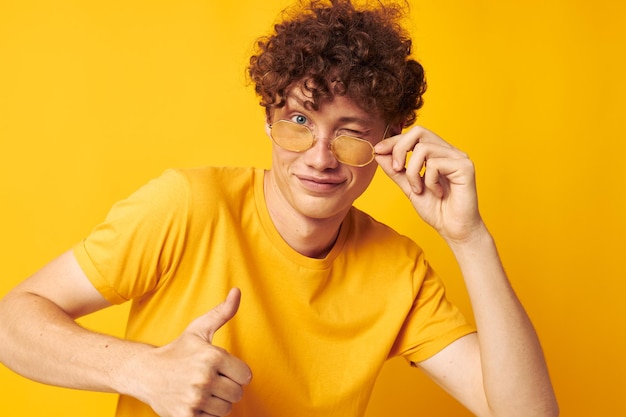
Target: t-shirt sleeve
x,y
433,321
136,247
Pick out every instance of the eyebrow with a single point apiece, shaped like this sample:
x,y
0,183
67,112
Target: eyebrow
x,y
358,120
292,97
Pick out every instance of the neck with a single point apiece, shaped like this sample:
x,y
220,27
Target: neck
x,y
308,236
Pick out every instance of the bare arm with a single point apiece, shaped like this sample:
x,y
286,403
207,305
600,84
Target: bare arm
x,y
42,341
500,371
507,367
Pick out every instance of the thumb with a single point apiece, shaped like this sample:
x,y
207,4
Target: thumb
x,y
205,326
397,176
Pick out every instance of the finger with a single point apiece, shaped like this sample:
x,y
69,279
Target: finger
x,y
206,325
399,177
215,407
416,134
227,389
403,146
385,146
428,136
235,370
418,145
416,167
221,314
432,178
220,395
397,147
451,172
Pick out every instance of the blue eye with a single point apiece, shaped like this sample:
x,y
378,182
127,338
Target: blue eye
x,y
300,119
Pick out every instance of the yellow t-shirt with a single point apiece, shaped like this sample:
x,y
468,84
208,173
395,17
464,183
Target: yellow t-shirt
x,y
315,332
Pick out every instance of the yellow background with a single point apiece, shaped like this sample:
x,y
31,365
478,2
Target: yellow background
x,y
97,97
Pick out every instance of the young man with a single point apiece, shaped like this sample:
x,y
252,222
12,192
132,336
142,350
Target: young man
x,y
329,293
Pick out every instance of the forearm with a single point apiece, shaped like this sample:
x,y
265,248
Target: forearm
x,y
41,342
515,376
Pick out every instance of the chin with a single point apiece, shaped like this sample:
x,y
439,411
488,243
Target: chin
x,y
322,209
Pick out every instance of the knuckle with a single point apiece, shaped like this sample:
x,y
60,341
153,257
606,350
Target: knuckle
x,y
213,356
468,164
418,130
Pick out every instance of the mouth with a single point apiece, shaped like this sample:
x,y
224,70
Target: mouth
x,y
320,184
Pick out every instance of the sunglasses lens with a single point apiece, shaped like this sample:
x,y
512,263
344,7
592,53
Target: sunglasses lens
x,y
352,151
298,138
291,136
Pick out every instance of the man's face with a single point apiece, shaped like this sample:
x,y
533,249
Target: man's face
x,y
312,182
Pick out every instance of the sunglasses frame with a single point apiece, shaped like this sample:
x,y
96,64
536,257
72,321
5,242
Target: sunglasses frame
x,y
330,145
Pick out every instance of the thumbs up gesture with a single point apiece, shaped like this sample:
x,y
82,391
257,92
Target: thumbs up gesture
x,y
190,376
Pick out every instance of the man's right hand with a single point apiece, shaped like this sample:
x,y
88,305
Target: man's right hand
x,y
190,376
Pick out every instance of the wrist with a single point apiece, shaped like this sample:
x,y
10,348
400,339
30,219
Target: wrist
x,y
133,370
478,239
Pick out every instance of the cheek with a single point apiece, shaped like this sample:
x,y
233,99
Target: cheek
x,y
368,172
362,177
281,157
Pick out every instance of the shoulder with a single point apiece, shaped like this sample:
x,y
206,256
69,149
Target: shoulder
x,y
201,185
214,179
224,176
184,190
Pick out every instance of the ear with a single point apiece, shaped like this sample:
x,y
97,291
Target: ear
x,y
268,116
394,129
268,121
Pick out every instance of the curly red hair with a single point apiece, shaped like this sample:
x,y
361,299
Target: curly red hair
x,y
334,48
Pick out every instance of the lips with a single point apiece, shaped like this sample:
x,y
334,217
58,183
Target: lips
x,y
320,184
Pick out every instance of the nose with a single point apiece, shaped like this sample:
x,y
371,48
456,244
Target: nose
x,y
320,156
